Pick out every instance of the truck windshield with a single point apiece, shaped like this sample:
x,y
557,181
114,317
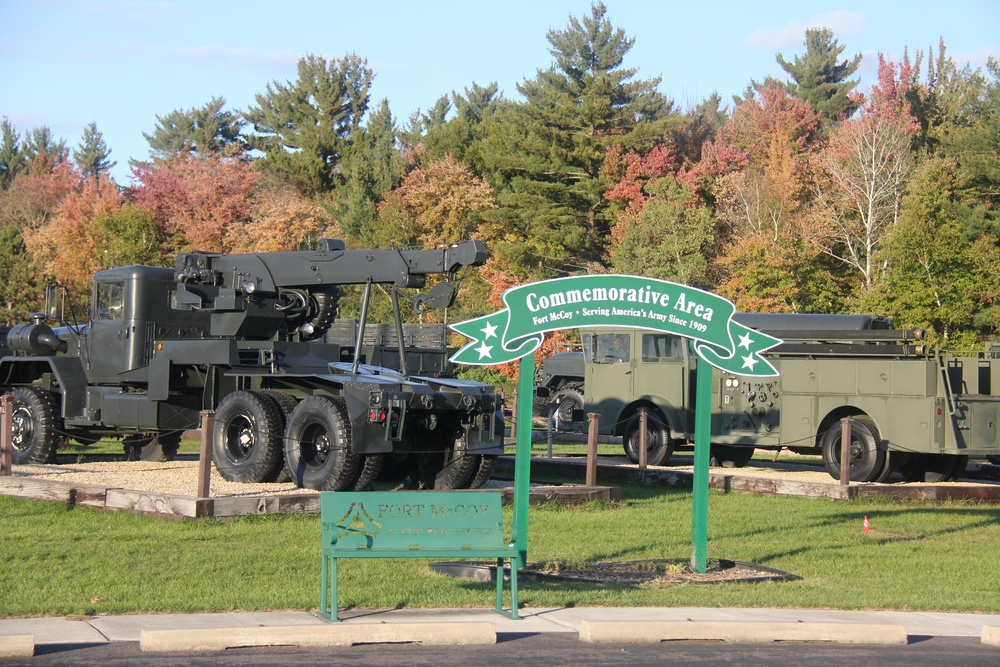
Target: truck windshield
x,y
109,301
607,348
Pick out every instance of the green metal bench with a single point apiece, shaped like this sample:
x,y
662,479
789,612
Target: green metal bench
x,y
414,524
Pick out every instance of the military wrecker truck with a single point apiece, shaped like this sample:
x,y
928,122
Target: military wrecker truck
x,y
916,411
244,336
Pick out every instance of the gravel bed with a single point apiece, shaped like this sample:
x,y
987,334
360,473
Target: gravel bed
x,y
181,477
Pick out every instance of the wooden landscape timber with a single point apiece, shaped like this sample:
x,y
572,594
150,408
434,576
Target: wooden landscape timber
x,y
744,482
177,506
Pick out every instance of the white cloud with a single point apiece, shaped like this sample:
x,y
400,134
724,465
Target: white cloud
x,y
843,23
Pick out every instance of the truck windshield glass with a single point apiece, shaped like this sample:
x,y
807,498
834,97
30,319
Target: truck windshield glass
x,y
606,348
110,298
656,347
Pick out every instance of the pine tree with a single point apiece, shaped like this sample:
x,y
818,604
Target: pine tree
x,y
20,290
92,153
371,168
304,128
12,158
820,79
205,131
548,155
40,147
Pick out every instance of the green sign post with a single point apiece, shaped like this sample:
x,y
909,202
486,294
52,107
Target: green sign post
x,y
531,310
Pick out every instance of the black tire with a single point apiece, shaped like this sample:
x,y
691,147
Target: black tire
x,y
458,466
247,438
36,426
566,401
869,462
933,468
730,456
484,472
152,447
318,445
370,467
995,460
286,403
659,444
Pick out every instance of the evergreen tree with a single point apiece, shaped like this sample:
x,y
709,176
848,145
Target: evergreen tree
x,y
92,153
12,158
41,147
820,79
548,157
372,166
458,135
20,292
304,128
206,131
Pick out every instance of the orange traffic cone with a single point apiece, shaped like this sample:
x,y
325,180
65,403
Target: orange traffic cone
x,y
866,526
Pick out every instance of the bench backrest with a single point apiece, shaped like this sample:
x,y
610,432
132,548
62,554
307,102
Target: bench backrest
x,y
412,520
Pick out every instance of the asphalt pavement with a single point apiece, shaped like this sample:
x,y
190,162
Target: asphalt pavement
x,y
206,632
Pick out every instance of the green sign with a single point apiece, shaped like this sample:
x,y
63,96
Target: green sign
x,y
615,300
633,302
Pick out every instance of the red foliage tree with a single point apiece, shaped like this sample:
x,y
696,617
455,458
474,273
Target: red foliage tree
x,y
197,200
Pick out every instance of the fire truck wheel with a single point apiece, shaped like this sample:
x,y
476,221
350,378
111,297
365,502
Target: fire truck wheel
x,y
318,445
731,456
659,444
246,438
36,426
933,467
868,462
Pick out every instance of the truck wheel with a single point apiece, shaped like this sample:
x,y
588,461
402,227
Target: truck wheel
x,y
869,463
566,400
995,460
459,466
659,444
484,472
286,403
246,438
370,468
152,447
318,445
36,426
730,456
933,467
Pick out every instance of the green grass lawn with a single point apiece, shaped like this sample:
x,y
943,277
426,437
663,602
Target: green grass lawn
x,y
918,556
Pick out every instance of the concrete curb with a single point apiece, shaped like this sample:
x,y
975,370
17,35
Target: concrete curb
x,y
17,646
751,632
991,635
219,639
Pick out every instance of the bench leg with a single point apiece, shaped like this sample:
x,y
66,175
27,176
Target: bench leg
x,y
513,588
328,589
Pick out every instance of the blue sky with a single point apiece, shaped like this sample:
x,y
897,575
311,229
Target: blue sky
x,y
120,63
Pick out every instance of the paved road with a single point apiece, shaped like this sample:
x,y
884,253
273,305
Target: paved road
x,y
542,650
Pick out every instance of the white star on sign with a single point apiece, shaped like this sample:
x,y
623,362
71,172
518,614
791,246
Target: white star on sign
x,y
745,340
484,350
489,331
749,361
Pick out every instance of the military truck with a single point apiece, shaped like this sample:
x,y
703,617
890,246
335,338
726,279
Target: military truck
x,y
561,375
243,336
916,411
